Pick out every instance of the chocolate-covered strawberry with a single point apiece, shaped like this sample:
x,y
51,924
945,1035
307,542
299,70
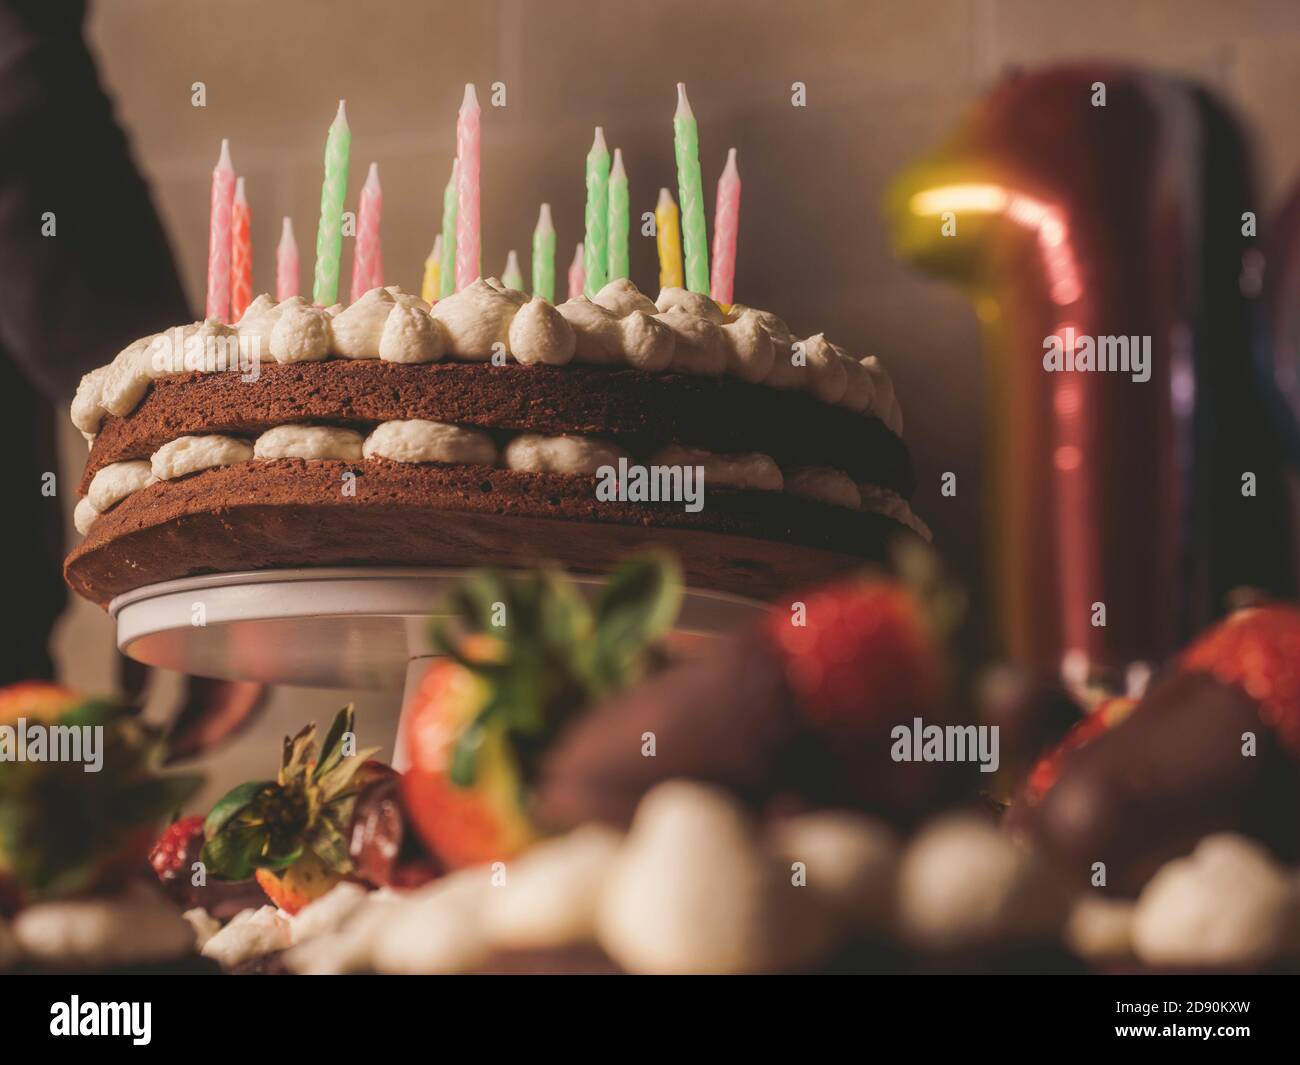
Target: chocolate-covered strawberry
x,y
294,833
804,704
174,857
529,655
1214,746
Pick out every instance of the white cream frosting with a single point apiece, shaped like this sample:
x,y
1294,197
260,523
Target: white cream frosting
x,y
411,336
359,329
260,316
859,392
477,318
748,470
539,333
298,332
681,332
695,304
750,350
647,343
824,484
884,406
597,336
699,346
825,375
190,454
308,442
889,503
84,515
621,298
568,453
417,440
88,404
114,482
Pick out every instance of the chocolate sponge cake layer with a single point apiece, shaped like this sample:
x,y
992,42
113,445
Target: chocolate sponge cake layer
x,y
294,513
640,411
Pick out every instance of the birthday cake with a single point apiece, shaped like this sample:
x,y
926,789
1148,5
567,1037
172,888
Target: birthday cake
x,y
386,433
488,426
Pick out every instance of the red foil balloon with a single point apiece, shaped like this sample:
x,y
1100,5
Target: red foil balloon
x,y
1092,207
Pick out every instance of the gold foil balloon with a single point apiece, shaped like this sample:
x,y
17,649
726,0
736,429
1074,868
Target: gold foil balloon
x,y
1093,215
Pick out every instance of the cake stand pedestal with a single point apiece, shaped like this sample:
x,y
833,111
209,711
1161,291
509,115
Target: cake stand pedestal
x,y
341,627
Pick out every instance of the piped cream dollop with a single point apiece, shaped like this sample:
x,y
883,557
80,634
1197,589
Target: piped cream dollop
x,y
418,440
114,482
476,319
825,485
620,297
300,333
88,406
750,351
84,515
597,337
568,453
699,347
696,304
884,405
411,336
747,470
308,442
538,333
190,454
359,328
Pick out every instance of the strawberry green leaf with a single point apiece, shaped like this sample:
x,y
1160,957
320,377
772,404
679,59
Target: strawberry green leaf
x,y
232,803
235,854
333,746
636,609
333,783
298,754
464,756
329,837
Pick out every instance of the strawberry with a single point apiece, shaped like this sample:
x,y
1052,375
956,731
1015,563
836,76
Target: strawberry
x,y
1257,650
36,700
304,881
293,833
64,831
864,659
177,848
1105,716
531,654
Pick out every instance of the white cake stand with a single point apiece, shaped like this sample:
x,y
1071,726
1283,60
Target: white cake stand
x,y
344,627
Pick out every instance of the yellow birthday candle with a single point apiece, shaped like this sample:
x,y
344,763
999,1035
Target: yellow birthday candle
x,y
668,235
432,273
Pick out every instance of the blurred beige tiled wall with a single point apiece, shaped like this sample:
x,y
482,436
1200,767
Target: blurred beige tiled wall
x,y
884,79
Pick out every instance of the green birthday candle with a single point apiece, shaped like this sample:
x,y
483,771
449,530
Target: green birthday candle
x,y
334,190
618,218
447,270
690,193
596,246
544,255
512,276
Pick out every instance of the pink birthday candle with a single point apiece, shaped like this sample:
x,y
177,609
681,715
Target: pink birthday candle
x,y
367,269
577,274
286,263
241,253
468,143
726,221
223,199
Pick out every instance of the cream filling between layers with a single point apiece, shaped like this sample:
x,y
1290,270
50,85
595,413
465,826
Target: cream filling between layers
x,y
419,441
680,332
